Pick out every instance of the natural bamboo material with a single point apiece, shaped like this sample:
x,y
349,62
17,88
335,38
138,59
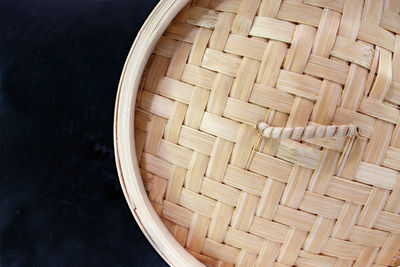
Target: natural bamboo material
x,y
306,132
220,68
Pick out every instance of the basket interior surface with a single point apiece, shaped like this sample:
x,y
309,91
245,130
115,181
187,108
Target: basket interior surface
x,y
221,67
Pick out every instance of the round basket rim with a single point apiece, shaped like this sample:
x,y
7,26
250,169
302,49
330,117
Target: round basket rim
x,y
155,225
124,142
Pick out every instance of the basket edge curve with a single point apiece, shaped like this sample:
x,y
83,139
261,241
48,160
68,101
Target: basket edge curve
x,y
125,155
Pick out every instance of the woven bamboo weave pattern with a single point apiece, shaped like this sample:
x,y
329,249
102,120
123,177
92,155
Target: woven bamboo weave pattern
x,y
221,67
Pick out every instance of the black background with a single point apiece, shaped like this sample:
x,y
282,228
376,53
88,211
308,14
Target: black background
x,y
60,199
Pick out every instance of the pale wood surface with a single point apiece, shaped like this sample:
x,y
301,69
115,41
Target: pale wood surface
x,y
221,67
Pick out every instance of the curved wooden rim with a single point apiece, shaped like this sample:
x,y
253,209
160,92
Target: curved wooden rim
x,y
128,169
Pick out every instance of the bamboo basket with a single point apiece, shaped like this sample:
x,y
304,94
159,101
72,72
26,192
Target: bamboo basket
x,y
264,132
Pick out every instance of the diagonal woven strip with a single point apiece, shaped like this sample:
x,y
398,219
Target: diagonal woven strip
x,y
221,67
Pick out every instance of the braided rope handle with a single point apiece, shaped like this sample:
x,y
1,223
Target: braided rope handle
x,y
306,132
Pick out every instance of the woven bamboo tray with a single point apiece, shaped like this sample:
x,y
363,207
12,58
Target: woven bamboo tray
x,y
264,132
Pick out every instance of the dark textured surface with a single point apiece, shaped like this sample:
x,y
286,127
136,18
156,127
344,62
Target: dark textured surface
x,y
60,199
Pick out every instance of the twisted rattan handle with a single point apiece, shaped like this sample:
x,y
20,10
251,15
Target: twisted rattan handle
x,y
306,132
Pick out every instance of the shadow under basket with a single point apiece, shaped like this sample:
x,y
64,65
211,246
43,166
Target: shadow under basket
x,y
264,132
